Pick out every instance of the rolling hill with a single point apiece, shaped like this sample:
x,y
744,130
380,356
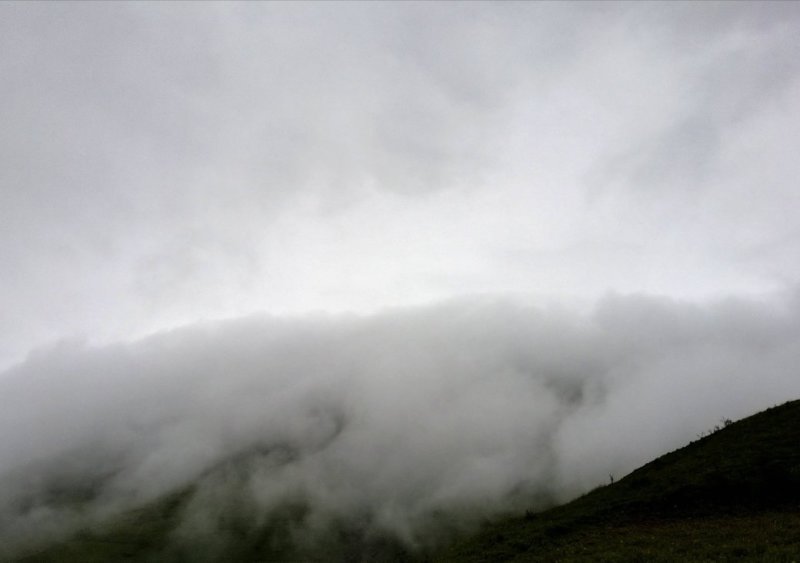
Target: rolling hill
x,y
733,495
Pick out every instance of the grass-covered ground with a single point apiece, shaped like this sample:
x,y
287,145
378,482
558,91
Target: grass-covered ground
x,y
764,536
731,496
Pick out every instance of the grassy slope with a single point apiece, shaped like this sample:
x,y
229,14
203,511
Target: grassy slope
x,y
733,495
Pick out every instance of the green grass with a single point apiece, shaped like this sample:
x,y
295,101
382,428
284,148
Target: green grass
x,y
731,496
762,536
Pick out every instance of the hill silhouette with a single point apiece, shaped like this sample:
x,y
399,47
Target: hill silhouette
x,y
733,494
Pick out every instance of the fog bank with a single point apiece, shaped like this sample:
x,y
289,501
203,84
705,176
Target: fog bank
x,y
402,420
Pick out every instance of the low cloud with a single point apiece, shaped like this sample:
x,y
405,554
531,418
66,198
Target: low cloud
x,y
466,409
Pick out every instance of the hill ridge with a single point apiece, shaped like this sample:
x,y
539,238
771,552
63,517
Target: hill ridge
x,y
731,495
747,472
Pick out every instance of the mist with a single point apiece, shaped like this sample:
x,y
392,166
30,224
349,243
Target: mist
x,y
393,268
173,163
413,422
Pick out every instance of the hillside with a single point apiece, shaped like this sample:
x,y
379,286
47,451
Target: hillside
x,y
732,495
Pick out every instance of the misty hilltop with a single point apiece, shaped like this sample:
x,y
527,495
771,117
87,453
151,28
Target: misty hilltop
x,y
732,495
405,428
355,278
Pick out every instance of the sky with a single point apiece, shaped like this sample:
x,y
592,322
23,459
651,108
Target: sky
x,y
563,236
164,164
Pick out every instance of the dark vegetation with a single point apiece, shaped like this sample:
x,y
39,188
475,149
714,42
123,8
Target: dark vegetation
x,y
733,495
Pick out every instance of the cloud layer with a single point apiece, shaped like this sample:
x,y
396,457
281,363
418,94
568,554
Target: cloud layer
x,y
173,163
402,421
294,166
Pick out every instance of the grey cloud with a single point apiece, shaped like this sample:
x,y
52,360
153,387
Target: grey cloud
x,y
732,62
152,154
473,407
164,164
134,135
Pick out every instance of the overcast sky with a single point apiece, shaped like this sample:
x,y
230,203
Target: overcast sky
x,y
471,255
167,163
